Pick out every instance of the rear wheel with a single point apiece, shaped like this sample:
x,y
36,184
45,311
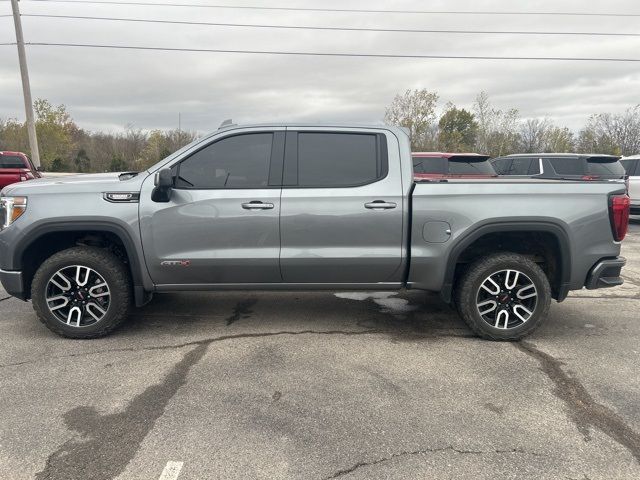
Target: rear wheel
x,y
504,296
82,292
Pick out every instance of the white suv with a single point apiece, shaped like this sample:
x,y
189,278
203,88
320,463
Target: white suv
x,y
632,166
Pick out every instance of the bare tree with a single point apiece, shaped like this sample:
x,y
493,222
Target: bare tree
x,y
617,134
497,129
415,110
533,135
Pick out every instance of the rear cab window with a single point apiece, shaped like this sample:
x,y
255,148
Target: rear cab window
x,y
12,161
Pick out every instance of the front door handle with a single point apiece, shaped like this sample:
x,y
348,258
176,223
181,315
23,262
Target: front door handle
x,y
380,204
257,205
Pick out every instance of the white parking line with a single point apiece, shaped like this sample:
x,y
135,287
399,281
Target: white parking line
x,y
171,471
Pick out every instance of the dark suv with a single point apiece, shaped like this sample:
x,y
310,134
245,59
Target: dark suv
x,y
571,166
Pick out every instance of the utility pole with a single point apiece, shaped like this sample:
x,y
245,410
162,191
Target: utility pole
x,y
26,88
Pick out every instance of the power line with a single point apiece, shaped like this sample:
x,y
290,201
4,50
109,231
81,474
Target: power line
x,y
346,29
7,43
346,10
327,54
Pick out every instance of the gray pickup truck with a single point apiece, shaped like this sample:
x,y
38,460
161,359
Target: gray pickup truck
x,y
286,207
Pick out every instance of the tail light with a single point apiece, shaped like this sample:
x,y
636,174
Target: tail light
x,y
619,206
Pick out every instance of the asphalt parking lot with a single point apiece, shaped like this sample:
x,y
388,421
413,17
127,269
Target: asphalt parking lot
x,y
320,386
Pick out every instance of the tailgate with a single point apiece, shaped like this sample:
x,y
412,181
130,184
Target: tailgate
x,y
10,175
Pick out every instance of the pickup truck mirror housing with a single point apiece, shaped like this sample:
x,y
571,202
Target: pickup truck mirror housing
x,y
164,183
40,169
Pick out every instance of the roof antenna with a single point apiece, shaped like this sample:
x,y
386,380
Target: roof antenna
x,y
227,123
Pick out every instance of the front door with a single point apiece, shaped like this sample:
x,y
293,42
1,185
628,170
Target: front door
x,y
221,225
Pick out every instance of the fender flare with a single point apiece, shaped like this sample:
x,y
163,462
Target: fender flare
x,y
47,227
556,230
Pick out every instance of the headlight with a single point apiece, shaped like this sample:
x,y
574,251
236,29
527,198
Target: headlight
x,y
11,208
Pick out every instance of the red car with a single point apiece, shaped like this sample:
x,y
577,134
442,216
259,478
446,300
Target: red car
x,y
436,165
16,167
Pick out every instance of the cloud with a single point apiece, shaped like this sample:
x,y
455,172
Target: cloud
x,y
108,89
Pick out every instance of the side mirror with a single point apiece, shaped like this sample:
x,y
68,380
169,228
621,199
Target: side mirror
x,y
164,183
40,169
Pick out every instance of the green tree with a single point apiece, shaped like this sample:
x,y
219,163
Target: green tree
x,y
58,165
82,161
415,110
118,164
54,128
457,130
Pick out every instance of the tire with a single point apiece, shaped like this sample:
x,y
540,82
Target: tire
x,y
92,282
476,295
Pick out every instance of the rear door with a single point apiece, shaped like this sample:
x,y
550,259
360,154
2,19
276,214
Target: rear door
x,y
342,207
221,225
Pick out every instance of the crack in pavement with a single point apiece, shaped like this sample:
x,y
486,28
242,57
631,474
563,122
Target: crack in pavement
x,y
118,436
242,310
5,298
225,338
353,468
584,410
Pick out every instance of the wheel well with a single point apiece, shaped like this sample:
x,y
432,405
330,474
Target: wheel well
x,y
541,247
50,243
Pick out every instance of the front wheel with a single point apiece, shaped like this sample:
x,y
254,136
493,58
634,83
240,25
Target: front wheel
x,y
503,296
82,292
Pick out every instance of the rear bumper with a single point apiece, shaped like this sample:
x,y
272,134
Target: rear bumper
x,y
12,283
606,273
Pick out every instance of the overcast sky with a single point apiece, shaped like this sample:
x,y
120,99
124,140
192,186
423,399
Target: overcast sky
x,y
107,89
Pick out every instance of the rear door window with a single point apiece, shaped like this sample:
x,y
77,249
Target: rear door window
x,y
327,159
568,165
520,166
501,165
12,161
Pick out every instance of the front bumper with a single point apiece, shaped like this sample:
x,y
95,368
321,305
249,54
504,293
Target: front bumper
x,y
12,283
606,273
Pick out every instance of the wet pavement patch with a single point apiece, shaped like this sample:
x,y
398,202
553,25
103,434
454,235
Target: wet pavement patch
x,y
583,409
242,310
105,444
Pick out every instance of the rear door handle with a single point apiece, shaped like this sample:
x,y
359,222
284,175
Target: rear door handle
x,y
257,205
380,204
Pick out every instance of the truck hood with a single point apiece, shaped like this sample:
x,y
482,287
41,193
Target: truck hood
x,y
81,183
